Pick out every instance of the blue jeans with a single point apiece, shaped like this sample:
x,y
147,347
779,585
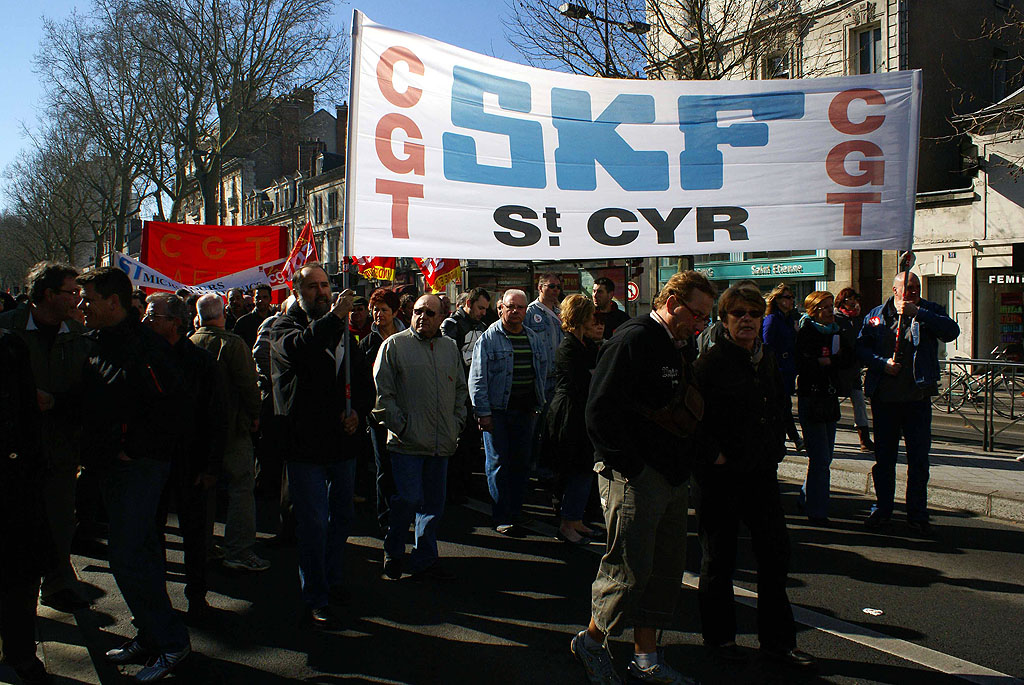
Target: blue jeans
x,y
820,443
131,492
576,495
507,448
419,496
322,501
914,420
385,481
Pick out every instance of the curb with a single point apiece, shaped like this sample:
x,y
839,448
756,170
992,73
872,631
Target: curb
x,y
996,504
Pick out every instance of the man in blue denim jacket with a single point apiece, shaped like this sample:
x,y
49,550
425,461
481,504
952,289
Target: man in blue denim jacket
x,y
900,384
506,386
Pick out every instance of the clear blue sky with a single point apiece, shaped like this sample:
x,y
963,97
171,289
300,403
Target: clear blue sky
x,y
471,25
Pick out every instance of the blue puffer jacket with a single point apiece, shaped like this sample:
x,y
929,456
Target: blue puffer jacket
x,y
876,341
779,331
490,375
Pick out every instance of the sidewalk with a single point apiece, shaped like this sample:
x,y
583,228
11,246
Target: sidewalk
x,y
963,477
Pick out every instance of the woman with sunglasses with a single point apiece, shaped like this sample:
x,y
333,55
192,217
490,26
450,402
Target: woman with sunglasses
x,y
819,356
736,477
567,444
779,331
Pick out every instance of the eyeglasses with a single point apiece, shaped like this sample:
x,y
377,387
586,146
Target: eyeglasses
x,y
740,313
513,307
703,318
554,286
148,317
422,311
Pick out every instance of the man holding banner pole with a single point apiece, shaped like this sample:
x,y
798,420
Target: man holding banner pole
x,y
310,345
899,343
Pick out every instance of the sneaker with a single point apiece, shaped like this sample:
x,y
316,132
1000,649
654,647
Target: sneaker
x,y
597,663
161,665
790,657
658,673
247,562
131,652
510,530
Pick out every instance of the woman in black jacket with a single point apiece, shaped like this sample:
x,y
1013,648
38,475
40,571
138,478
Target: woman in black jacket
x,y
819,357
744,435
569,448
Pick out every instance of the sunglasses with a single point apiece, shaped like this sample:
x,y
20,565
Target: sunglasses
x,y
705,319
554,286
740,313
424,312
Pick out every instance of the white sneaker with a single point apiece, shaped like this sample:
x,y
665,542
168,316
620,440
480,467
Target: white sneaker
x,y
658,673
247,562
131,652
161,666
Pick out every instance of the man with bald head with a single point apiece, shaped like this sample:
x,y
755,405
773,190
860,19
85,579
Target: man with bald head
x,y
242,416
507,382
901,380
421,400
309,343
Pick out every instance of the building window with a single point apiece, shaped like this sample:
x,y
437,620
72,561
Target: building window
x,y
332,206
869,53
779,254
776,66
716,257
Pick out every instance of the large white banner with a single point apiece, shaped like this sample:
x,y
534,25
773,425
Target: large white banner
x,y
460,154
143,276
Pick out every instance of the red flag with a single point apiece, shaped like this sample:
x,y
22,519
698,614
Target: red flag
x,y
438,272
303,252
376,268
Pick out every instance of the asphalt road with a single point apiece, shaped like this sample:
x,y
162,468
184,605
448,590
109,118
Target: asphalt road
x,y
954,603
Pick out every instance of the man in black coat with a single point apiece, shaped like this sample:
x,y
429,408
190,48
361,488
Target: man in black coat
x,y
646,464
310,342
24,535
193,477
465,327
135,419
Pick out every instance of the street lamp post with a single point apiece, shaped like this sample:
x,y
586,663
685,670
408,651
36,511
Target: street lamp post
x,y
580,12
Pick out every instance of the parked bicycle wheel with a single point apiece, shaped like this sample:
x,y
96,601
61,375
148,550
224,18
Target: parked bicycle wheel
x,y
1008,395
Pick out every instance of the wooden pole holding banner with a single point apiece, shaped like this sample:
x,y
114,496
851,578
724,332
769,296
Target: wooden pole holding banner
x,y
353,75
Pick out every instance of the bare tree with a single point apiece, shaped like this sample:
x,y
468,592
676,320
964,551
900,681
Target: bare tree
x,y
221,64
99,77
684,39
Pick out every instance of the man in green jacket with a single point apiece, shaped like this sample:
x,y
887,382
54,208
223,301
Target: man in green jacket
x,y
243,417
58,350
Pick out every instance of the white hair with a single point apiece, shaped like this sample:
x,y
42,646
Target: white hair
x,y
210,307
512,292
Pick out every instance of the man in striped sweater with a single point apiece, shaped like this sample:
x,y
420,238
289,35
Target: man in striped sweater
x,y
507,388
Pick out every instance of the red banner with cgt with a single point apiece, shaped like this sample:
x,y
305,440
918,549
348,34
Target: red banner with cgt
x,y
192,253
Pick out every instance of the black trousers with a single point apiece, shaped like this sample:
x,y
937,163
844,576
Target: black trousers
x,y
467,457
194,505
723,501
18,620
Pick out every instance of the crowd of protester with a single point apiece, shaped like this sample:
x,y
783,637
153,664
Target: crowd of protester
x,y
159,401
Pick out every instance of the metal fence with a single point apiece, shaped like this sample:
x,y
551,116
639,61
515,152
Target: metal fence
x,y
988,394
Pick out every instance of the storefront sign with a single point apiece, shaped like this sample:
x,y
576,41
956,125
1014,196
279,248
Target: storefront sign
x,y
795,268
457,153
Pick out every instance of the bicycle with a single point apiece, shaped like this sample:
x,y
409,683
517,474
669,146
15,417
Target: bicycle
x,y
957,386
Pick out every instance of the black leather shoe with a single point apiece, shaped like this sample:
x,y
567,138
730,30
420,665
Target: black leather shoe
x,y
922,528
793,657
433,572
876,522
65,600
392,568
324,619
729,651
198,610
339,595
32,672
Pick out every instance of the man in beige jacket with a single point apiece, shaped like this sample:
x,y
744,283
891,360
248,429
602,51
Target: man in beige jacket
x,y
421,400
243,407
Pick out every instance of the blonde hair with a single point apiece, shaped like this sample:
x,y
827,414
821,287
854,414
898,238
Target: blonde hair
x,y
575,311
774,294
812,301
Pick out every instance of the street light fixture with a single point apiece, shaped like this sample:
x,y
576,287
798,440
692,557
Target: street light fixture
x,y
580,12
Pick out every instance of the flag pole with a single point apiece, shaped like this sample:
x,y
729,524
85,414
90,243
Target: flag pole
x,y
906,263
349,156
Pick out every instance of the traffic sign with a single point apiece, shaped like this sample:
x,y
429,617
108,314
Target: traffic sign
x,y
632,291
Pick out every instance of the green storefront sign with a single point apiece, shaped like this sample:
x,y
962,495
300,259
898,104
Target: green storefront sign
x,y
814,267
